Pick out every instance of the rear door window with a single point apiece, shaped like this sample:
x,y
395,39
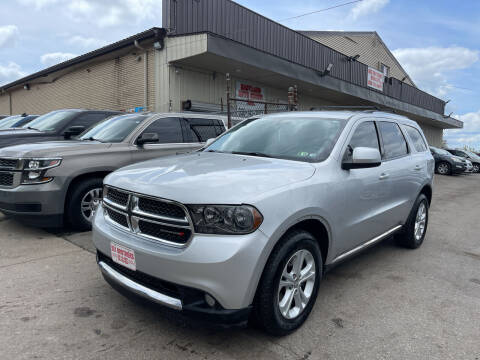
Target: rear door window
x,y
394,144
200,130
167,129
417,139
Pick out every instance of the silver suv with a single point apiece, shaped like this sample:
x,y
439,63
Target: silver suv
x,y
45,183
249,225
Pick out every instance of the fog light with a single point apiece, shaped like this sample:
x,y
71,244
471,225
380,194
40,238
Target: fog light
x,y
209,300
32,175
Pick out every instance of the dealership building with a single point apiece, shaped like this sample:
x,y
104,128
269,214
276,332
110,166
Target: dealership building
x,y
201,41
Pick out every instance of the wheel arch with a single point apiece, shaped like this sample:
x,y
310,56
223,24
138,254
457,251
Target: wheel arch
x,y
427,191
314,224
79,178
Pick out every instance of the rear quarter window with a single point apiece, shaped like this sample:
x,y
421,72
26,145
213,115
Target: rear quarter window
x,y
417,138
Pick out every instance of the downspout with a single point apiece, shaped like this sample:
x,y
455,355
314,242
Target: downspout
x,y
10,102
145,75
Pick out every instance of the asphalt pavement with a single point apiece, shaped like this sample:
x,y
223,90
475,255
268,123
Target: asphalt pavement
x,y
387,303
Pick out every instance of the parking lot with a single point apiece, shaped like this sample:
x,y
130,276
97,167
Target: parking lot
x,y
389,302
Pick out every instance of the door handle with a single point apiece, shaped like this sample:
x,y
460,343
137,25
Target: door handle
x,y
383,176
418,167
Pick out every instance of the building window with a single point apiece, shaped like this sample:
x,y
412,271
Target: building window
x,y
385,69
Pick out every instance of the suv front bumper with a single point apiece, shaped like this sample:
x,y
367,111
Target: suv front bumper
x,y
225,267
40,205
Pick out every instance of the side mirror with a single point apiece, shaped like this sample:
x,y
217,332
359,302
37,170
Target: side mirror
x,y
147,138
73,130
363,157
209,142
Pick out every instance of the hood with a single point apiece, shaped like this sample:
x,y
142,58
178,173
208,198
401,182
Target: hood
x,y
21,132
209,178
52,148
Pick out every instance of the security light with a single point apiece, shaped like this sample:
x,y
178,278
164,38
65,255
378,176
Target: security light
x,y
327,70
26,87
354,58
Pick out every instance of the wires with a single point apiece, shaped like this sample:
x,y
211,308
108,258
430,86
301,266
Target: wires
x,y
317,11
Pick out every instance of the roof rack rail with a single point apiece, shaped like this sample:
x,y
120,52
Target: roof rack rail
x,y
340,107
352,107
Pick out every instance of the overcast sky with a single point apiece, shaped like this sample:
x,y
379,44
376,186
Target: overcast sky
x,y
436,41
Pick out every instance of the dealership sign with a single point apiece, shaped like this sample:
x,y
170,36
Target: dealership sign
x,y
375,79
249,92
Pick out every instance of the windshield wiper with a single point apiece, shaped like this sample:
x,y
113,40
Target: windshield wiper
x,y
252,153
31,128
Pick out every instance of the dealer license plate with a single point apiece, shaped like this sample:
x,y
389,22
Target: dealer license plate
x,y
123,256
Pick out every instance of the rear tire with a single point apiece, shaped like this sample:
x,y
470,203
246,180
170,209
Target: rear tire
x,y
415,228
285,295
79,213
444,168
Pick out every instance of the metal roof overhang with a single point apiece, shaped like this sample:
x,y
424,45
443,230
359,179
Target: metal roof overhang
x,y
227,56
105,53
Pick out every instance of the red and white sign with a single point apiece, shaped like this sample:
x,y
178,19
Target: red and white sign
x,y
123,256
249,92
375,79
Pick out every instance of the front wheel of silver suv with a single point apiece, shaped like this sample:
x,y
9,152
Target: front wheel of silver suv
x,y
415,228
289,285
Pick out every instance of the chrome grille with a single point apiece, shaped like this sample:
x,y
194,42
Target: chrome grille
x,y
152,218
10,164
160,208
117,197
117,217
6,179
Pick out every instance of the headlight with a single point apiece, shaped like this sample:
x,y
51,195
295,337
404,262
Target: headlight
x,y
225,219
34,170
41,164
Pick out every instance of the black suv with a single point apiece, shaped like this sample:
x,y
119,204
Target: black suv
x,y
446,163
55,125
474,158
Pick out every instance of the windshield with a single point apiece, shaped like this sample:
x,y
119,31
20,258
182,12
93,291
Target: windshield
x,y
440,151
114,129
471,154
53,121
309,139
9,121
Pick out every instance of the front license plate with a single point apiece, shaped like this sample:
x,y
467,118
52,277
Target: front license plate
x,y
123,256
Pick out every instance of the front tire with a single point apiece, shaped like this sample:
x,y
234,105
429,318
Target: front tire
x,y
82,203
289,285
444,168
476,168
415,228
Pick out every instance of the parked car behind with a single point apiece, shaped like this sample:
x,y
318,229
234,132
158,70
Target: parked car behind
x,y
16,121
55,125
446,163
248,225
474,158
47,183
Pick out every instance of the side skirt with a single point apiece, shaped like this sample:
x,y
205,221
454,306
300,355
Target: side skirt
x,y
361,247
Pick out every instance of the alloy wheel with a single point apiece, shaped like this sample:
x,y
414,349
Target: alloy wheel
x,y
296,284
476,168
442,169
420,221
90,202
